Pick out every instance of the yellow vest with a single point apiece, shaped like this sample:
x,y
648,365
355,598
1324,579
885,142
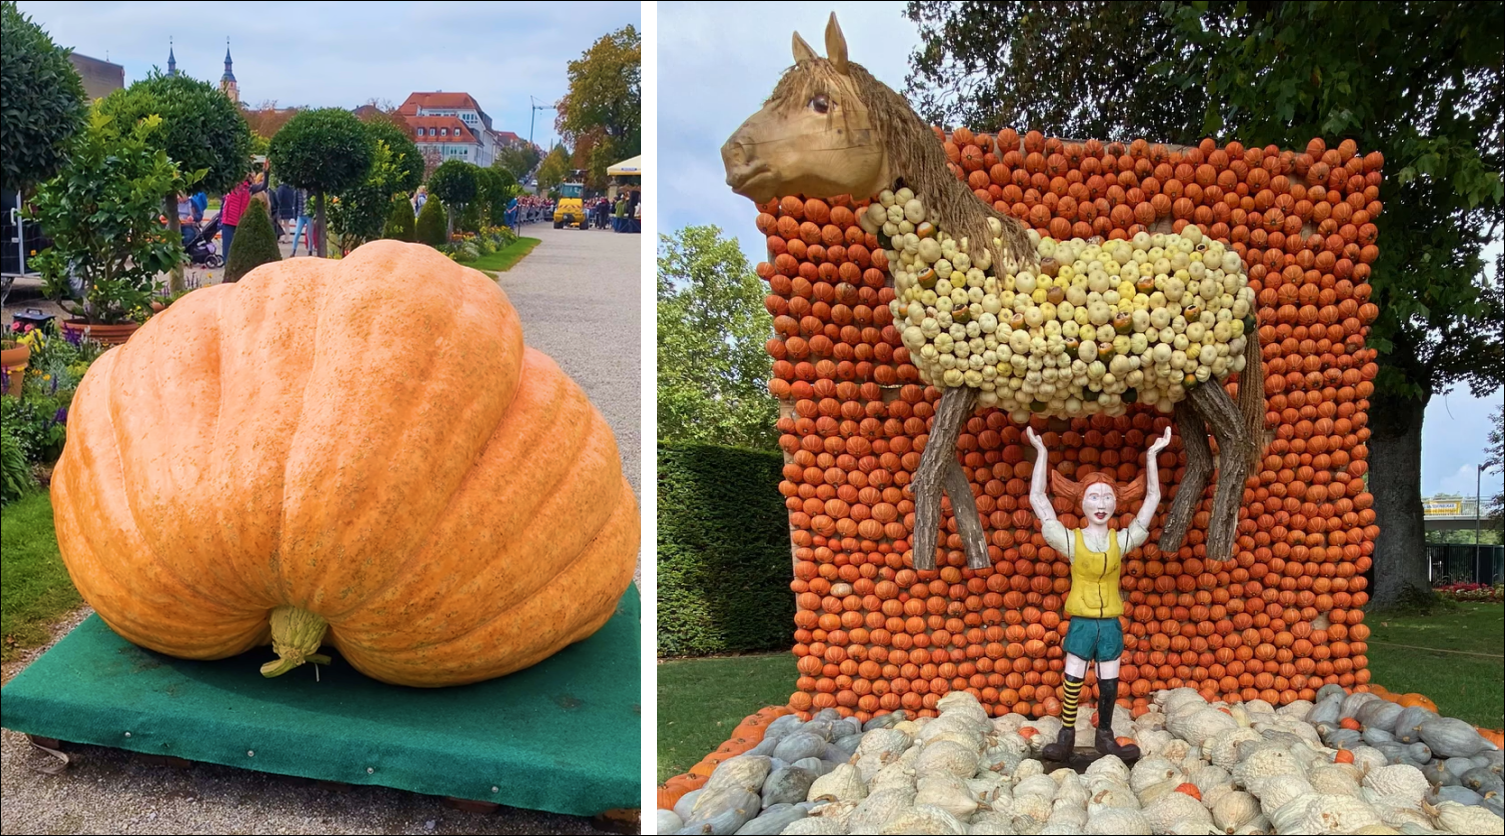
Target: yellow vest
x,y
1094,580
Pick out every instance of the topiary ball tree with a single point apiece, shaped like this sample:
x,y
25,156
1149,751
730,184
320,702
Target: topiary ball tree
x,y
201,130
455,182
255,243
325,151
407,161
497,188
400,225
42,99
431,219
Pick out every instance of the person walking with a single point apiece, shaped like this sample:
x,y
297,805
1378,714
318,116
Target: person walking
x,y
420,198
231,207
619,223
287,209
305,223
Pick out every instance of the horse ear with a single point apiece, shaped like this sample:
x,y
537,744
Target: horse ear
x,y
802,50
836,46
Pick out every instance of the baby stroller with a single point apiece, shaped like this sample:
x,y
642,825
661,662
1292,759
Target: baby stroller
x,y
198,242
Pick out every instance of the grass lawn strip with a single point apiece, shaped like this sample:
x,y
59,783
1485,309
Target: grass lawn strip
x,y
502,260
701,701
36,589
1467,683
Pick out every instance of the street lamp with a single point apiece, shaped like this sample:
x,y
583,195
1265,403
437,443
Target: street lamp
x,y
1478,506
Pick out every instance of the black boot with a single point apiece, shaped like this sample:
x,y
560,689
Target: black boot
x,y
1107,693
1061,750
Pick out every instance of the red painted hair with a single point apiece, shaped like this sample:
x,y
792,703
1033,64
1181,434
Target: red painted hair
x,y
1123,494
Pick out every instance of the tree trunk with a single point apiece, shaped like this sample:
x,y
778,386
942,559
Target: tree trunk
x,y
940,453
1400,554
319,227
175,276
1212,402
1193,433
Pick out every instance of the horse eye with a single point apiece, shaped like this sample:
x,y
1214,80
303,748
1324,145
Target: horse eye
x,y
820,104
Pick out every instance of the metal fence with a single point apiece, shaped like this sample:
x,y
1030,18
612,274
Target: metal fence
x,y
1457,563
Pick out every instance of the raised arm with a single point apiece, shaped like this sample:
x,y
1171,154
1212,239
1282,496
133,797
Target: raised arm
x,y
1039,483
1152,480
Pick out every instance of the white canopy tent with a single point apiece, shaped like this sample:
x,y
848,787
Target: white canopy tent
x,y
627,168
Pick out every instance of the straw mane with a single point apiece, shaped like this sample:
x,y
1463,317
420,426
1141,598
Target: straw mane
x,y
915,154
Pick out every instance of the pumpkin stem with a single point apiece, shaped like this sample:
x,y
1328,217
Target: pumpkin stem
x,y
296,636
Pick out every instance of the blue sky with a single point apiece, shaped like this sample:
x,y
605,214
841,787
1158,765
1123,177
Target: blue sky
x,y
716,65
345,54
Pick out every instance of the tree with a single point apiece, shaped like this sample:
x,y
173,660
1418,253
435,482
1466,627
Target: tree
x,y
1422,83
495,190
202,130
107,259
712,326
555,168
255,243
431,228
325,151
266,119
400,223
518,160
455,183
406,162
605,100
43,100
358,214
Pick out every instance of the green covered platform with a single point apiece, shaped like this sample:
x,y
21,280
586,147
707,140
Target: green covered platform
x,y
562,736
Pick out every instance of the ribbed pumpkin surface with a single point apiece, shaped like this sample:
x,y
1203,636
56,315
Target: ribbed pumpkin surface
x,y
368,440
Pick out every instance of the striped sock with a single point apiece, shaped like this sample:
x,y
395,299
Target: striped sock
x,y
1073,689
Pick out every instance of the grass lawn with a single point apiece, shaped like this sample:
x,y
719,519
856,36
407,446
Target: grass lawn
x,y
700,702
34,585
1469,687
502,260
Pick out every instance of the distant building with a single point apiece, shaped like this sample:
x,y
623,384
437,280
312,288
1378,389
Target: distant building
x,y
100,77
466,132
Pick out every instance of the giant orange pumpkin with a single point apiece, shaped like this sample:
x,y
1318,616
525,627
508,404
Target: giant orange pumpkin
x,y
360,452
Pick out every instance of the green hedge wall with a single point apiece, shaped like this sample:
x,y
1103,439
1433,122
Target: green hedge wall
x,y
724,562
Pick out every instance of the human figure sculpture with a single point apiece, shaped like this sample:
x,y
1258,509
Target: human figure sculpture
x,y
830,129
1095,552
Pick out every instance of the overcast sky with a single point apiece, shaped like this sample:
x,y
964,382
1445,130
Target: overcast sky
x,y
716,65
345,54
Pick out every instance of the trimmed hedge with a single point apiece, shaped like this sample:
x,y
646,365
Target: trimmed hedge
x,y
724,561
254,244
431,227
400,224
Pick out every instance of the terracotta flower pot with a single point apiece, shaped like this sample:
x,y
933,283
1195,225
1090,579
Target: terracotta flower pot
x,y
13,361
107,334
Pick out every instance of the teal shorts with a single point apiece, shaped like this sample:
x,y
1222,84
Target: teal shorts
x,y
1095,639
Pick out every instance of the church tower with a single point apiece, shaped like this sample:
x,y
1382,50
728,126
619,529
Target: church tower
x,y
227,81
172,60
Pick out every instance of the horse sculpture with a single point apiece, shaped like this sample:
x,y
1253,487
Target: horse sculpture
x,y
830,129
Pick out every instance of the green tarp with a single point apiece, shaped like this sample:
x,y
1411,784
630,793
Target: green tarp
x,y
562,736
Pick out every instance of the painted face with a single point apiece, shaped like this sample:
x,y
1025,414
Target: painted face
x,y
1098,504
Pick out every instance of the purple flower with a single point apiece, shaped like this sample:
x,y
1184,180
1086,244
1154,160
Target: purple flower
x,y
62,415
74,338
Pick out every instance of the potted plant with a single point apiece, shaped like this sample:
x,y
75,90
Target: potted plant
x,y
103,213
13,358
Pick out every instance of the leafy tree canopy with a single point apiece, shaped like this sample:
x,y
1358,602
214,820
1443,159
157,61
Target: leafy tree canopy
x,y
455,182
325,151
518,161
405,165
555,168
201,128
605,100
42,98
712,367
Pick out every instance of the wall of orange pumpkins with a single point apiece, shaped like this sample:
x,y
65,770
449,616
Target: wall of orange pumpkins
x,y
1275,623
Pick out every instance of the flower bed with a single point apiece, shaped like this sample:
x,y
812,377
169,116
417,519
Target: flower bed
x,y
1472,592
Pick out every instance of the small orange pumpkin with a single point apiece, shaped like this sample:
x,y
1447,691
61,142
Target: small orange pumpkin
x,y
1411,699
1343,756
1351,724
264,463
1189,789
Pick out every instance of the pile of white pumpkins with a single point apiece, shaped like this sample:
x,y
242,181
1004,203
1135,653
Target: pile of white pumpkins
x,y
1093,327
1206,768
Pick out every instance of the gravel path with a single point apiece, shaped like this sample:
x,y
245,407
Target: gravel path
x,y
576,292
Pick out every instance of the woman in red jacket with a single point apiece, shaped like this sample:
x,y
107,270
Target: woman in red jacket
x,y
232,206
